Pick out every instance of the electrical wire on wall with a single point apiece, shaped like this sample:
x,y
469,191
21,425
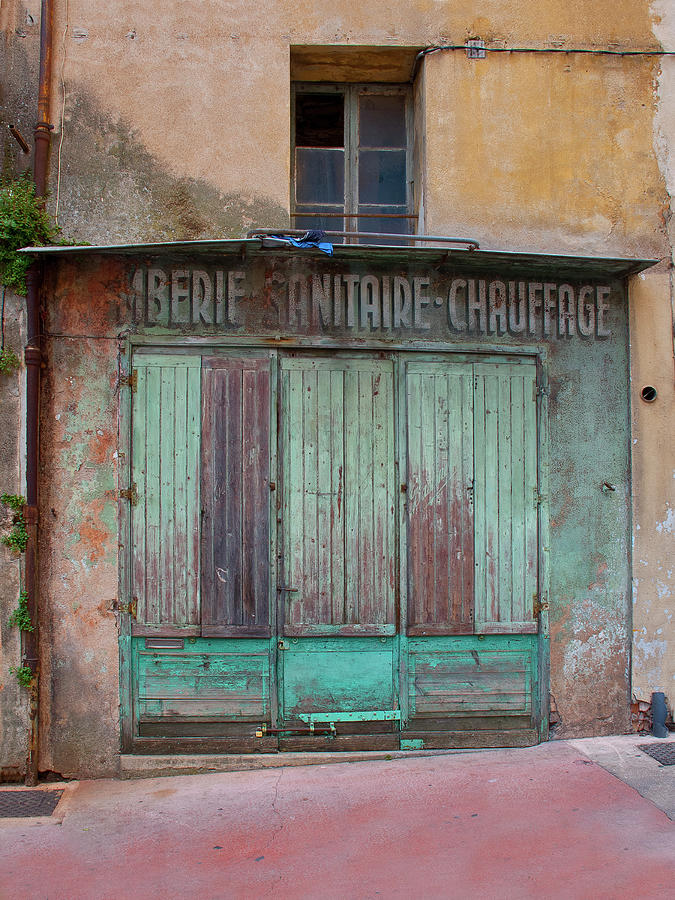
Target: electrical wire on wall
x,y
63,116
477,50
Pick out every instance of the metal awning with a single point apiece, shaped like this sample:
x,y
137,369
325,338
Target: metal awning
x,y
469,261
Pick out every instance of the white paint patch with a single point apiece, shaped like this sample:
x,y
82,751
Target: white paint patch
x,y
646,649
579,653
668,524
662,590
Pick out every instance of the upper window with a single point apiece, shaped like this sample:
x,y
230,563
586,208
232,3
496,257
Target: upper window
x,y
351,159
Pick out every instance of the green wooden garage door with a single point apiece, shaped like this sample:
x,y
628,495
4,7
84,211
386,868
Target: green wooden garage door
x,y
333,548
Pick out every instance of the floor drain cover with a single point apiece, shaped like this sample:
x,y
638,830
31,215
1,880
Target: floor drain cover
x,y
28,803
663,753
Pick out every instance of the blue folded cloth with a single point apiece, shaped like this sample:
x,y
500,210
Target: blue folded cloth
x,y
310,240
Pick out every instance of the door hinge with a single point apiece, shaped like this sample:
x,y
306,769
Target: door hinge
x,y
130,494
538,498
539,390
131,608
130,381
538,605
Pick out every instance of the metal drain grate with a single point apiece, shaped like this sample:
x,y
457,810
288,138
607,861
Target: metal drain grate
x,y
28,803
663,753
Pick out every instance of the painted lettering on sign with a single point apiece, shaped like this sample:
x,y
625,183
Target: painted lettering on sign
x,y
189,298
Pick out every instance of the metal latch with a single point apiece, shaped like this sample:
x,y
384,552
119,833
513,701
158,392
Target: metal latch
x,y
130,381
130,494
262,731
538,606
131,608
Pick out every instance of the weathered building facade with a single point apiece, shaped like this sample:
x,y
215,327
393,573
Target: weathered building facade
x,y
411,494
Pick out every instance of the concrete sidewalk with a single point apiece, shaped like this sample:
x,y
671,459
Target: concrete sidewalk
x,y
541,822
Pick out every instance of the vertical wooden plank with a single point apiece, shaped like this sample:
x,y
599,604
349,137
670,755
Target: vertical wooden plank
x,y
445,486
152,502
338,504
427,489
466,501
324,439
207,478
259,481
492,494
439,476
530,489
412,477
383,600
481,612
293,524
167,458
352,549
365,606
507,497
192,499
229,473
165,524
504,585
139,475
309,450
236,487
519,497
338,562
180,546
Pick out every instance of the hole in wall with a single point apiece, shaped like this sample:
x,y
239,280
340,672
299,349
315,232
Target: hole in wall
x,y
648,393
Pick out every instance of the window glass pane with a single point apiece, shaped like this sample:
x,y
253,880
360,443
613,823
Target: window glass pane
x,y
319,176
319,120
384,225
317,221
382,120
382,176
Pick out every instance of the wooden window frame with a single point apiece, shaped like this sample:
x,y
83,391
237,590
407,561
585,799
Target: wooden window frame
x,y
354,222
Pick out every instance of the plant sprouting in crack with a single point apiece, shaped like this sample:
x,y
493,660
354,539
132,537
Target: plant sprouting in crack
x,y
20,618
23,675
17,537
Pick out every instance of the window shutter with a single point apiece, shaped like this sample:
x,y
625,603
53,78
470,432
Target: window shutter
x,y
505,496
338,543
165,518
439,432
235,488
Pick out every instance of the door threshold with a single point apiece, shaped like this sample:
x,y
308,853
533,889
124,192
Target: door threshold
x,y
136,765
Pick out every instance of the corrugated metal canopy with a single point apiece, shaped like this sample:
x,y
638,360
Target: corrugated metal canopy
x,y
476,261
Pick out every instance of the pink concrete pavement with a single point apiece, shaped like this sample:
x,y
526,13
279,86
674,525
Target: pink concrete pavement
x,y
543,822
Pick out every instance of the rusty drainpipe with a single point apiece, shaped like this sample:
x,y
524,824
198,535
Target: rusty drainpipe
x,y
33,360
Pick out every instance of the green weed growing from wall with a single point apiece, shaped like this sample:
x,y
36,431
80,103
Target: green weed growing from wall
x,y
20,618
9,361
23,675
23,223
17,538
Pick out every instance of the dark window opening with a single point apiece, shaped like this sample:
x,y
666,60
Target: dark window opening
x,y
352,160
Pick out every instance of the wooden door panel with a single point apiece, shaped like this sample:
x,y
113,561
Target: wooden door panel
x,y
505,437
235,496
338,535
165,465
439,432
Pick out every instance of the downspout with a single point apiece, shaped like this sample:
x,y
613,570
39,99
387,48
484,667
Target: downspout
x,y
33,361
